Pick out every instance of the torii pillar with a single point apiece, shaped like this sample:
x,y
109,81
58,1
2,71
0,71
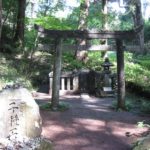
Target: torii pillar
x,y
120,75
56,73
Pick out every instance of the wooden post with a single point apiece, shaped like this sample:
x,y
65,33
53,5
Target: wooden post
x,y
63,83
76,83
68,83
120,74
50,85
56,73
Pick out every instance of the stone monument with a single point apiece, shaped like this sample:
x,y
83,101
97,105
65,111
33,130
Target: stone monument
x,y
20,120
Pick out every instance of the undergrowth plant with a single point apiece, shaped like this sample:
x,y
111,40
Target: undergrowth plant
x,y
145,107
138,73
142,124
61,107
10,75
128,105
134,103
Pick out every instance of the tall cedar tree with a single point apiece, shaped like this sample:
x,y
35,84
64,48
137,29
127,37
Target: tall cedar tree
x,y
104,24
138,21
19,34
81,54
0,20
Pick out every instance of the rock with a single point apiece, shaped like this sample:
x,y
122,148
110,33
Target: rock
x,y
19,114
143,144
20,121
26,144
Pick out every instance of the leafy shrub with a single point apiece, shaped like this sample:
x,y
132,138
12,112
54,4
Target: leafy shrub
x,y
70,63
138,73
10,74
147,31
144,61
51,22
94,61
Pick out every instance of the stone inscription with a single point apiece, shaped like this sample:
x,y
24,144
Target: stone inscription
x,y
14,118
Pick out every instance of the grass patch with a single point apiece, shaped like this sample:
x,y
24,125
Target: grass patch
x,y
61,107
128,105
133,103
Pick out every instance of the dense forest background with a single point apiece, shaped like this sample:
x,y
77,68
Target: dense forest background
x,y
27,59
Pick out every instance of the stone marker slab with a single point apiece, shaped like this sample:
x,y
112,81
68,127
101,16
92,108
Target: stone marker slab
x,y
19,114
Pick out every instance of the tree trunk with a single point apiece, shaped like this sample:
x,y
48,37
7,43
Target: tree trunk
x,y
81,54
120,74
84,11
104,12
0,21
56,74
19,34
104,24
138,21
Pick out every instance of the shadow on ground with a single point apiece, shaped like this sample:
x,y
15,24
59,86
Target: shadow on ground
x,y
90,124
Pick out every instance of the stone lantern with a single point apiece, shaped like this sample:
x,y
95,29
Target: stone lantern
x,y
106,66
106,89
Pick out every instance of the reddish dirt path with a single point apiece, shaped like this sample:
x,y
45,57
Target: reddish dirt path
x,y
90,124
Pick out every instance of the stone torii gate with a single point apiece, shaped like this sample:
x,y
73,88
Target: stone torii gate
x,y
59,35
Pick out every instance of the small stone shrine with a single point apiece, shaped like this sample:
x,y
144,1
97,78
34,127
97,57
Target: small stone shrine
x,y
20,120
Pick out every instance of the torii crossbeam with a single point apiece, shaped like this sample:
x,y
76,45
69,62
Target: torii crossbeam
x,y
88,34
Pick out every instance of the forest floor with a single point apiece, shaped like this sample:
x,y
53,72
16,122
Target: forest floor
x,y
90,124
